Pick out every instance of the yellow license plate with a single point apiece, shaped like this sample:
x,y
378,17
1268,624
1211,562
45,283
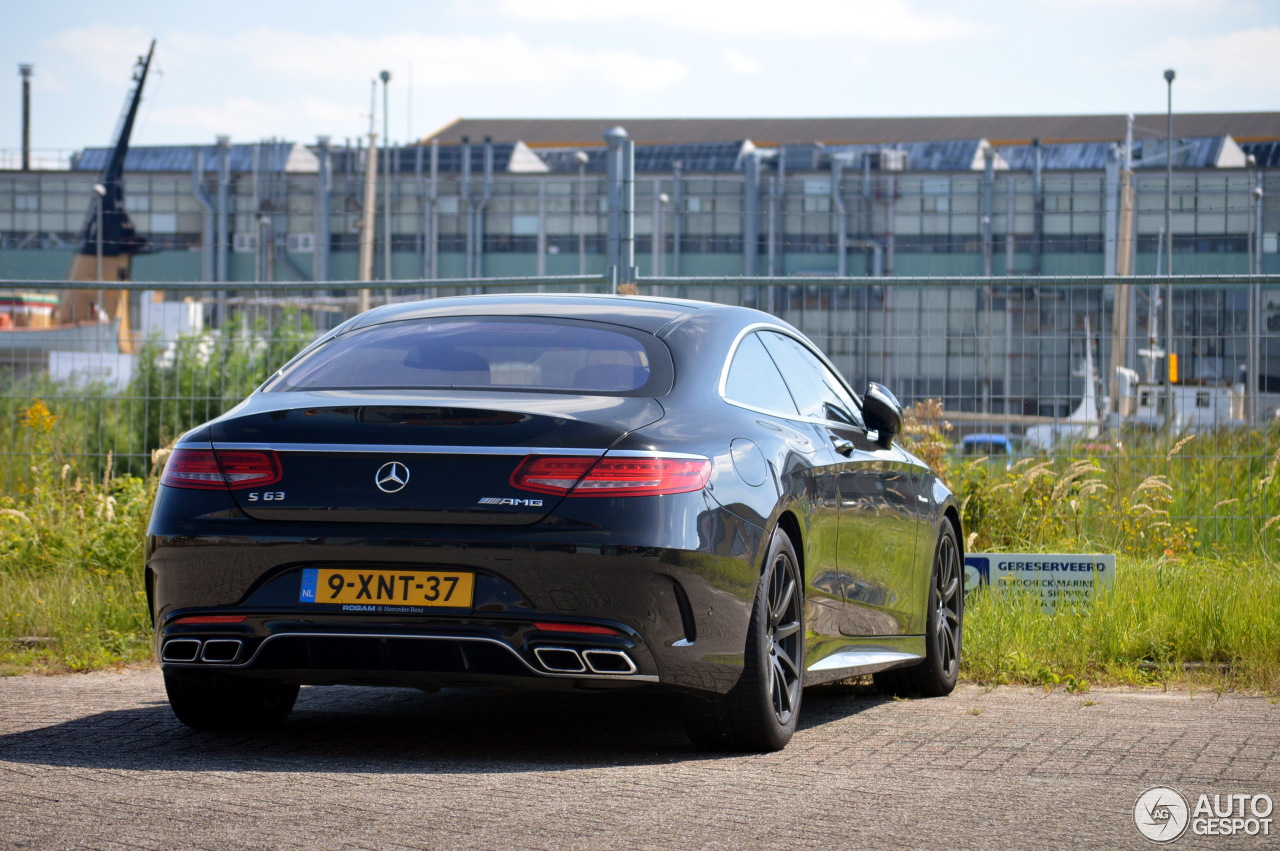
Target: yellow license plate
x,y
357,587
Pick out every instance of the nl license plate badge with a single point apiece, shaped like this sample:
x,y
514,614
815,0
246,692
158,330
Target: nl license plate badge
x,y
387,591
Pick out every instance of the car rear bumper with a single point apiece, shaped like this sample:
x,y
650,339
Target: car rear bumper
x,y
679,615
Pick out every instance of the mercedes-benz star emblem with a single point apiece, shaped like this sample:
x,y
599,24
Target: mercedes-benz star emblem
x,y
391,477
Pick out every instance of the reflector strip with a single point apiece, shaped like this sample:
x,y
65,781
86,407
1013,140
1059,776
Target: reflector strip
x,y
211,619
583,628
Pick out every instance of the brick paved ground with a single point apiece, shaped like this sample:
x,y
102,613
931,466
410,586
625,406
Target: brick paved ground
x,y
97,761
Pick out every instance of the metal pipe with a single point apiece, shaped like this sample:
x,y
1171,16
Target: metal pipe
x,y
324,189
224,207
750,213
486,195
542,232
434,271
367,218
385,76
627,243
615,137
25,71
206,220
420,240
988,206
1037,194
470,263
581,159
842,219
677,215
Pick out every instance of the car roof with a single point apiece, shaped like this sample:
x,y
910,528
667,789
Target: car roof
x,y
640,312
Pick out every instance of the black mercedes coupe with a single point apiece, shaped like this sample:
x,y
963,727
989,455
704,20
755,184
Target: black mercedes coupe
x,y
555,492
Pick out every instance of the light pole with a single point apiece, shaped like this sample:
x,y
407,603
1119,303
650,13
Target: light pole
x,y
581,159
1255,303
99,192
1168,249
385,76
662,199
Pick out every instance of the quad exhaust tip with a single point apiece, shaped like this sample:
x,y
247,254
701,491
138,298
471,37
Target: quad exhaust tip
x,y
216,650
180,650
608,662
568,660
560,660
221,650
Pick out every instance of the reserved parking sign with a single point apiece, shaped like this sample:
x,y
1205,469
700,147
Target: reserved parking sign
x,y
1058,579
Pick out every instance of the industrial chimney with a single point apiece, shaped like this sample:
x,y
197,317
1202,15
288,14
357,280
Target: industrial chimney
x,y
25,71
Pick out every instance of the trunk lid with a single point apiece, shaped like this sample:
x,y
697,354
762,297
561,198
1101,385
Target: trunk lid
x,y
445,459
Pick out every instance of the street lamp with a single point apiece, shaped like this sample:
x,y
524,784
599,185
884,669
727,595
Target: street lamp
x,y
659,239
385,76
1168,249
581,159
99,192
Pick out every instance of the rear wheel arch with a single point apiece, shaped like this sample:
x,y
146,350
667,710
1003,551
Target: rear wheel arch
x,y
789,523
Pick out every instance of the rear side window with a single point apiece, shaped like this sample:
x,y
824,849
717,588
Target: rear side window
x,y
818,393
754,380
548,355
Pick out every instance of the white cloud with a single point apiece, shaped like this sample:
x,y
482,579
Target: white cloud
x,y
874,20
740,62
438,61
1233,62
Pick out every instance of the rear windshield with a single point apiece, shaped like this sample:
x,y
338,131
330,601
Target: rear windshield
x,y
549,355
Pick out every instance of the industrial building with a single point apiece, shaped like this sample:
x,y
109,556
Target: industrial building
x,y
719,198
714,197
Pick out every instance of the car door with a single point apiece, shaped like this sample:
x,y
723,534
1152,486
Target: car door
x,y
877,489
754,382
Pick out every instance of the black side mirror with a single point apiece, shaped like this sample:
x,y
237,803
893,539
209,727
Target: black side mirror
x,y
883,413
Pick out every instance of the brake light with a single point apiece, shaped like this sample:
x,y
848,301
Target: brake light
x,y
579,476
229,469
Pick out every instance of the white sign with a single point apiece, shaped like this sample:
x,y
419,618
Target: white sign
x,y
1058,579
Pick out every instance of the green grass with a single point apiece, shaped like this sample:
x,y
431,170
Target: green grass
x,y
1187,621
1196,599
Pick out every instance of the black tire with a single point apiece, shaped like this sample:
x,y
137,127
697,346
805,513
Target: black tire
x,y
227,702
936,676
761,711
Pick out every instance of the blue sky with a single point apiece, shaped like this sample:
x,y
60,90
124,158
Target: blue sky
x,y
292,70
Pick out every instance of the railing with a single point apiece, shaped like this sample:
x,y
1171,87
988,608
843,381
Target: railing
x,y
1025,369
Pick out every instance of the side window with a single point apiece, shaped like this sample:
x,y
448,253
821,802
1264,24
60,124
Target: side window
x,y
754,379
816,390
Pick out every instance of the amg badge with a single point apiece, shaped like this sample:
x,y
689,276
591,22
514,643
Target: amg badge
x,y
496,500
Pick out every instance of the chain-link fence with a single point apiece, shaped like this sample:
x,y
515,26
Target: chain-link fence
x,y
1025,370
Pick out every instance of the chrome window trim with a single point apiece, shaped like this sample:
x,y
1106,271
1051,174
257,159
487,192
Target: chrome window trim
x,y
792,417
419,449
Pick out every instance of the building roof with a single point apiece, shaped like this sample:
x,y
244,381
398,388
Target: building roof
x,y
270,156
589,132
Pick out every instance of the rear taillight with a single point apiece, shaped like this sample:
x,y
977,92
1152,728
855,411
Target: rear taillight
x,y
579,476
228,469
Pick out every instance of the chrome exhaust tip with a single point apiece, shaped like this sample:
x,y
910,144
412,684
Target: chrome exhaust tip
x,y
560,660
180,650
609,662
221,650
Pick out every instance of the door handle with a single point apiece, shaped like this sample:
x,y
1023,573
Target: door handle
x,y
844,447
